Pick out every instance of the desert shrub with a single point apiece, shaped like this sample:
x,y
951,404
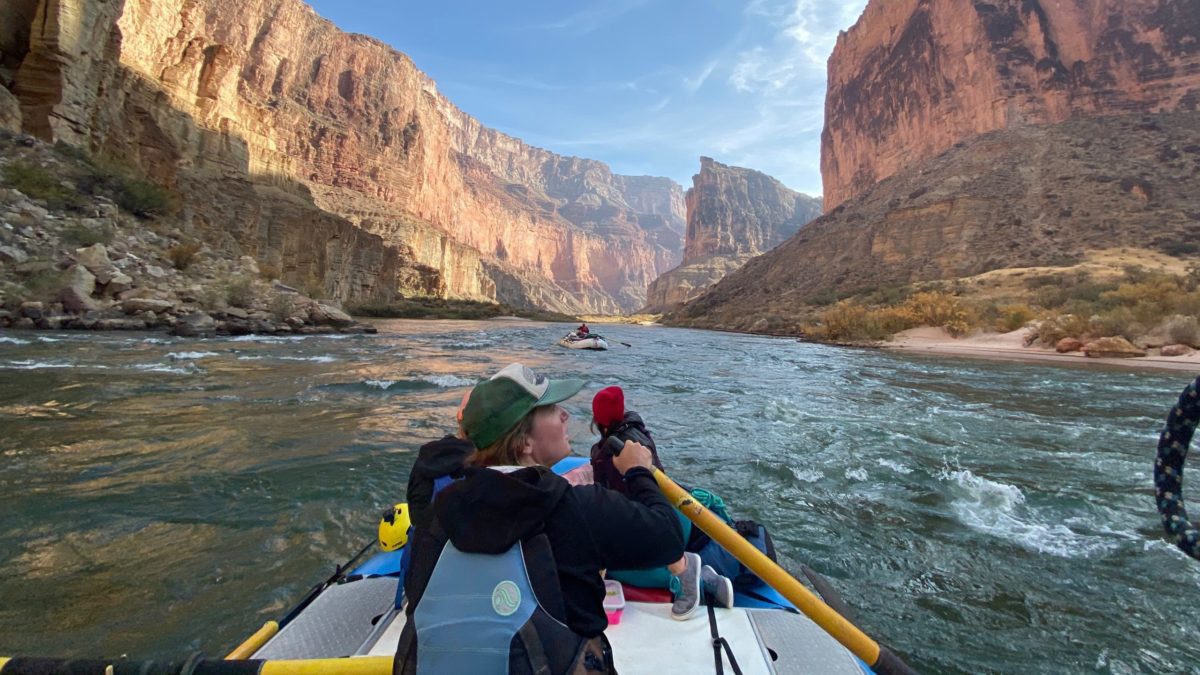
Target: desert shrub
x,y
282,306
78,234
1078,289
886,295
1154,295
142,198
1120,321
42,285
848,320
1014,316
182,255
823,298
935,308
239,292
268,271
38,182
1182,330
127,189
313,288
1055,328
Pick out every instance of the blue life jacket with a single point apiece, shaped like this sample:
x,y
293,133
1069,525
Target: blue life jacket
x,y
488,613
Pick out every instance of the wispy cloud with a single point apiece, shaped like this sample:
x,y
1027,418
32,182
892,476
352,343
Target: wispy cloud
x,y
693,84
588,20
805,34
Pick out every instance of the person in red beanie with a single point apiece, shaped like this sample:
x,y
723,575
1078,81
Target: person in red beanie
x,y
610,419
684,577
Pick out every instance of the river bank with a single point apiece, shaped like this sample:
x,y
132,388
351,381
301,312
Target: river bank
x,y
1012,346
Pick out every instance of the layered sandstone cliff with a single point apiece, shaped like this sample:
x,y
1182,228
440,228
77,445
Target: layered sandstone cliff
x,y
914,77
271,97
1031,196
733,214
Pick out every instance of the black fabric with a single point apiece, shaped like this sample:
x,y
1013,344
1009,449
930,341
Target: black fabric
x,y
443,457
588,528
630,428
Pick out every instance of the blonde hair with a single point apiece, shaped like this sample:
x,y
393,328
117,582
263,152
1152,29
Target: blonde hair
x,y
510,449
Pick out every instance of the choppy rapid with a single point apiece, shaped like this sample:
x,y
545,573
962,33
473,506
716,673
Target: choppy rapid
x,y
161,495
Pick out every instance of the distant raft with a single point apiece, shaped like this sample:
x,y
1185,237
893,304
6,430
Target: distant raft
x,y
574,340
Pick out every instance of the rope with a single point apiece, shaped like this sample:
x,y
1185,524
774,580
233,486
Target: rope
x,y
1168,470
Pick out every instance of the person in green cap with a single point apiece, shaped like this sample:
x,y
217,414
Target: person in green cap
x,y
506,563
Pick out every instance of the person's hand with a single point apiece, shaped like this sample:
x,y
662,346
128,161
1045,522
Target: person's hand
x,y
633,454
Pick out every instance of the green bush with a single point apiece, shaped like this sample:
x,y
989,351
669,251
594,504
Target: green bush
x,y
283,305
1014,316
78,234
239,292
40,183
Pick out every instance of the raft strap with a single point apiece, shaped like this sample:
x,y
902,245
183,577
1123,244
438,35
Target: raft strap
x,y
718,642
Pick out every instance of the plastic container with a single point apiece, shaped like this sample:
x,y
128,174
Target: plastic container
x,y
614,601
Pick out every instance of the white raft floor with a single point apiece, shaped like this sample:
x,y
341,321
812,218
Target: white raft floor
x,y
648,640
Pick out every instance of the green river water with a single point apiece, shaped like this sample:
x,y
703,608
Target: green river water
x,y
163,495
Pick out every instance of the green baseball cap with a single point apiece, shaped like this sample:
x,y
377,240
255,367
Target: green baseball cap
x,y
497,404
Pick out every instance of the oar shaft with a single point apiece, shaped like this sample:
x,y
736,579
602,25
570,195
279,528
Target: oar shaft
x,y
775,576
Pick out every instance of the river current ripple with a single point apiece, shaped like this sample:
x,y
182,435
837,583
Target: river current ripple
x,y
164,495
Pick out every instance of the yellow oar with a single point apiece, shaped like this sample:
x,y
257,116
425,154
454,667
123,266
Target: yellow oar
x,y
880,658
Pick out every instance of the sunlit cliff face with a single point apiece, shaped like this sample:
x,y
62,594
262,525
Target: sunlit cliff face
x,y
914,77
269,93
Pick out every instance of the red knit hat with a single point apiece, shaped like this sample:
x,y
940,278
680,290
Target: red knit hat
x,y
608,407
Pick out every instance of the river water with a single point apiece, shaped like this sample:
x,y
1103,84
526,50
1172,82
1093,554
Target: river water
x,y
164,495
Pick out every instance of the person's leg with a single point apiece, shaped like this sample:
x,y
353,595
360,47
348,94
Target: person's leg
x,y
655,577
688,597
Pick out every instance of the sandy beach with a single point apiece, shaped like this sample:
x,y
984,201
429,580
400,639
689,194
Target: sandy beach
x,y
1010,346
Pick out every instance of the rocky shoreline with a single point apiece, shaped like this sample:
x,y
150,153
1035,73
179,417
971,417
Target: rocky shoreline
x,y
71,259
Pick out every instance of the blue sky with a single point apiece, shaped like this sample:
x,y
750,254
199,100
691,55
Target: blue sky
x,y
647,86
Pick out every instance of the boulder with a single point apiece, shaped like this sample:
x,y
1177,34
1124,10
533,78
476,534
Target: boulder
x,y
322,314
12,254
95,259
118,284
33,310
138,305
196,324
76,293
1112,347
1176,350
119,324
1068,344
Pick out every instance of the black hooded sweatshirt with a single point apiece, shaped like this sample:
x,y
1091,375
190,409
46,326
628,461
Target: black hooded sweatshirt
x,y
589,528
630,428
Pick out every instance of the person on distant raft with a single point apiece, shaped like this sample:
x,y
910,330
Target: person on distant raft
x,y
506,555
683,577
583,330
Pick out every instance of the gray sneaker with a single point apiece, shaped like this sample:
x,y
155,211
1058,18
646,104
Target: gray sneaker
x,y
719,587
688,598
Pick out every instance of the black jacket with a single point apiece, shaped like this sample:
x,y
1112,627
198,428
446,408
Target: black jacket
x,y
443,457
630,428
589,528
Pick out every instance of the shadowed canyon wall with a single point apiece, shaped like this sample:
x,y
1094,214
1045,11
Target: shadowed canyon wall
x,y
914,77
733,214
267,96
